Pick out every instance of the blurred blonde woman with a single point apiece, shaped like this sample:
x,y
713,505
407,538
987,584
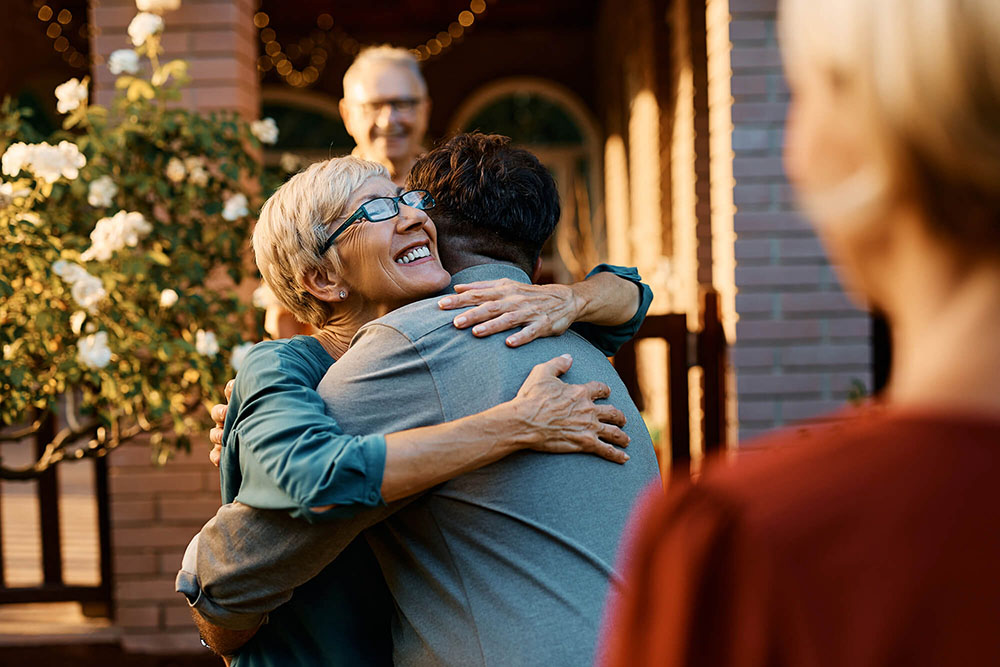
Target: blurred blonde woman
x,y
875,542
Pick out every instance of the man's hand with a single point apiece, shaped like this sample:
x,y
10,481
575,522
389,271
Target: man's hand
x,y
222,641
219,417
543,310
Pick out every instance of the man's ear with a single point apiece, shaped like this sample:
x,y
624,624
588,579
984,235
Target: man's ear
x,y
325,285
537,273
345,115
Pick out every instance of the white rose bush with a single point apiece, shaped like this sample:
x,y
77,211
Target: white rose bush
x,y
125,237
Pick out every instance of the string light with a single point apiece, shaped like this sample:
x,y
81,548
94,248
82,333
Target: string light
x,y
438,44
328,35
58,30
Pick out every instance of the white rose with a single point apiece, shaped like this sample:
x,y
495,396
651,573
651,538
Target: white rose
x,y
70,95
123,61
158,6
175,171
143,26
8,194
199,176
205,343
88,291
73,159
197,173
263,297
266,130
101,192
238,355
48,163
235,207
15,158
168,297
76,321
62,268
93,351
113,234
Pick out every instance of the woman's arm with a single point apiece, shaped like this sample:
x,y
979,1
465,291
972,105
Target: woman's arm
x,y
607,308
547,415
297,458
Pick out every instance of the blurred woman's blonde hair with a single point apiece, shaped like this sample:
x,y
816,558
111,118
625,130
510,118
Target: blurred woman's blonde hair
x,y
922,80
294,224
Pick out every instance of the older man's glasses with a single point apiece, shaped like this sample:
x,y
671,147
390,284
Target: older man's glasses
x,y
399,105
382,208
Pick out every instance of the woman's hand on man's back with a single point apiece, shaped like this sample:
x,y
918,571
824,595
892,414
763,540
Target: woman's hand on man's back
x,y
542,310
565,418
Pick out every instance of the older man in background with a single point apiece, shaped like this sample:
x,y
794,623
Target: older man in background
x,y
385,110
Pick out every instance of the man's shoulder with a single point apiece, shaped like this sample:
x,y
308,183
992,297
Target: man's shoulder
x,y
416,320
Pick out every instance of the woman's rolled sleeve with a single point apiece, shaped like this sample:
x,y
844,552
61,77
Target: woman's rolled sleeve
x,y
293,454
609,339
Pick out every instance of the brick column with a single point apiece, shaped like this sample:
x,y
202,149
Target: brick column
x,y
216,37
156,510
799,342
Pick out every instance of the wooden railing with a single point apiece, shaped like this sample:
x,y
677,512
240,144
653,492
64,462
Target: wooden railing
x,y
705,348
95,600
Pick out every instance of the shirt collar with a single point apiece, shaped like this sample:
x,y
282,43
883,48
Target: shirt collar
x,y
493,271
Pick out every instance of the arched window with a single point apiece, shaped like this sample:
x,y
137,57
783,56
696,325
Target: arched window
x,y
551,122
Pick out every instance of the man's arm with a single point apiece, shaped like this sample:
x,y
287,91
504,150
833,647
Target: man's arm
x,y
246,562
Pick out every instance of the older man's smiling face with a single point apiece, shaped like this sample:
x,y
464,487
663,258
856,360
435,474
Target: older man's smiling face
x,y
385,109
393,262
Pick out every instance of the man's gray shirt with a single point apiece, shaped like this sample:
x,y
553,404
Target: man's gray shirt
x,y
510,564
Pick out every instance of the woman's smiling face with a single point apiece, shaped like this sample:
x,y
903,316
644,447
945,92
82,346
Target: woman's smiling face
x,y
392,262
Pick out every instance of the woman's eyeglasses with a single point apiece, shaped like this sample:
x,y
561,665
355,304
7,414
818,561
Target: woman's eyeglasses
x,y
382,208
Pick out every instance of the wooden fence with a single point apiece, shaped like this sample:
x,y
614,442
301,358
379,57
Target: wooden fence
x,y
704,348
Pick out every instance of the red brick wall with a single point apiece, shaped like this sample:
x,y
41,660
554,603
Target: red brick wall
x,y
216,37
155,511
800,343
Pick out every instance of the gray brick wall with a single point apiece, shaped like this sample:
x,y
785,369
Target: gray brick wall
x,y
800,344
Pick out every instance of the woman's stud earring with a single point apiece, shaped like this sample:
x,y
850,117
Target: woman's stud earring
x,y
343,294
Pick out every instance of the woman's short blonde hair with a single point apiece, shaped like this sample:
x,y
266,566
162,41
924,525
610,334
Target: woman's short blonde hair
x,y
925,81
294,224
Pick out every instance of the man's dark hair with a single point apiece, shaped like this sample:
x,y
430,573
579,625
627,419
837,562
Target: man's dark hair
x,y
492,199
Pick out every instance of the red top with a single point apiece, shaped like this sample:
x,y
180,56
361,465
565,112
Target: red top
x,y
874,541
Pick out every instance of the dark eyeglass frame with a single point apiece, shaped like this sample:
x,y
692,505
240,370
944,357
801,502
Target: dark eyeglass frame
x,y
424,202
398,104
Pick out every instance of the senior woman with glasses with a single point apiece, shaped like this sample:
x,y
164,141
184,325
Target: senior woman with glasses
x,y
874,540
340,246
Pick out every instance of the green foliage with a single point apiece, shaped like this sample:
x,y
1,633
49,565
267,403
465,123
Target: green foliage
x,y
156,378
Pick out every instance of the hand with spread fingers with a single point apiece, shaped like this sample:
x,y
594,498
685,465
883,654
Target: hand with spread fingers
x,y
603,299
218,413
564,418
543,310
